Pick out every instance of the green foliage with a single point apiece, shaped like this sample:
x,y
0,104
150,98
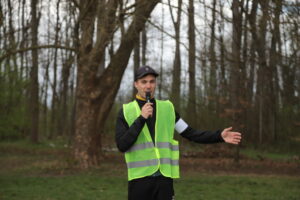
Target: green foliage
x,y
289,117
13,121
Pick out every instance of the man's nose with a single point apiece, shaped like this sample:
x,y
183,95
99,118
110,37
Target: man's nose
x,y
148,85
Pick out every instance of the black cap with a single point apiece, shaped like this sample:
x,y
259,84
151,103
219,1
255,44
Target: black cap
x,y
143,71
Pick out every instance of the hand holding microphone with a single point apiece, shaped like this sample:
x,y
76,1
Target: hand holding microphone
x,y
147,109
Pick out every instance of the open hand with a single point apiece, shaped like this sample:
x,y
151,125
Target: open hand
x,y
231,137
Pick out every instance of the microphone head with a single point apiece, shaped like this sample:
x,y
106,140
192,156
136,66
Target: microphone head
x,y
148,97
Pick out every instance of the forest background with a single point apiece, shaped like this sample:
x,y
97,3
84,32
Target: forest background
x,y
67,66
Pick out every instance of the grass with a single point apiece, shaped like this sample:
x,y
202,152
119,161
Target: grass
x,y
41,172
238,187
96,186
80,186
256,154
286,152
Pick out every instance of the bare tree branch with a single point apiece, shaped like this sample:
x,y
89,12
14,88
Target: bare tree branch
x,y
10,53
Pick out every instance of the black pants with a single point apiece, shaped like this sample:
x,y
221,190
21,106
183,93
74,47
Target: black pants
x,y
151,188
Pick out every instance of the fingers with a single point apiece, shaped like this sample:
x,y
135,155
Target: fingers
x,y
233,137
147,110
228,129
235,142
236,139
148,104
230,136
236,135
148,107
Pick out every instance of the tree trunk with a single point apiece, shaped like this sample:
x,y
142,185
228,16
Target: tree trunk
x,y
236,68
136,60
192,65
11,65
66,95
204,65
175,94
64,122
263,82
44,95
95,95
22,44
222,73
1,18
275,59
212,92
144,46
161,73
248,63
54,104
34,83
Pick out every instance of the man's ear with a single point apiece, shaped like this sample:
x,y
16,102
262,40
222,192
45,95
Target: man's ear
x,y
135,84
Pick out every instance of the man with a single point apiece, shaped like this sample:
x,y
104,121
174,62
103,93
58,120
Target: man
x,y
145,133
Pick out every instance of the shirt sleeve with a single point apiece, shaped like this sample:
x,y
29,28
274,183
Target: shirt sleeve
x,y
199,136
126,136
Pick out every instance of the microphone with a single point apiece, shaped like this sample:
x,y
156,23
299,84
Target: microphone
x,y
148,97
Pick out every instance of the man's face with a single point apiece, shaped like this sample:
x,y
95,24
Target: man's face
x,y
145,84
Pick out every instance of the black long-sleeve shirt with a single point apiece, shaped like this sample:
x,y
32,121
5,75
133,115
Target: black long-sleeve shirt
x,y
126,136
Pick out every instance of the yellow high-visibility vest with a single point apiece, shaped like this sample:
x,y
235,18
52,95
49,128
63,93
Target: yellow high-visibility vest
x,y
145,157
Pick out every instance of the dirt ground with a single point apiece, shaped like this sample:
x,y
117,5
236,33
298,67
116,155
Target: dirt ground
x,y
221,161
245,166
223,166
209,160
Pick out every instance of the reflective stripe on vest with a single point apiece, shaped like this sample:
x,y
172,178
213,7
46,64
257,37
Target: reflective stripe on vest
x,y
146,145
144,158
152,162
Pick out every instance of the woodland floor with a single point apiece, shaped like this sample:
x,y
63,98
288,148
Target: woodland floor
x,y
46,171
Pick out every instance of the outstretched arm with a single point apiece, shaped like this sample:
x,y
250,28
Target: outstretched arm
x,y
230,136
